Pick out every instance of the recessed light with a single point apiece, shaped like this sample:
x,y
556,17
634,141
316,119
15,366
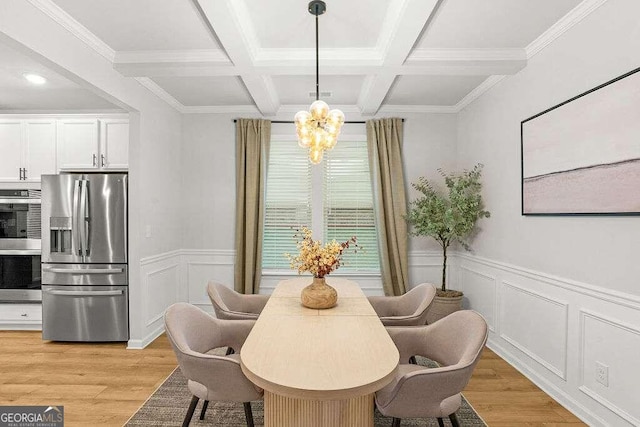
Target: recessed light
x,y
35,79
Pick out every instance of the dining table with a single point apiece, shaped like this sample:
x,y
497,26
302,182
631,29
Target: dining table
x,y
319,368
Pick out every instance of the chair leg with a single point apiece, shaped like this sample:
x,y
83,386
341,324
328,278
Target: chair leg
x,y
248,414
230,351
396,422
412,360
204,409
454,420
440,422
190,411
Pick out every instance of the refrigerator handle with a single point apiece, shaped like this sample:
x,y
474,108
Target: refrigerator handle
x,y
83,293
83,270
76,218
84,224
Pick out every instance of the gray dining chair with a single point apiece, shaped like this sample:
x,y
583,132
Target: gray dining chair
x,y
409,309
455,344
194,335
231,305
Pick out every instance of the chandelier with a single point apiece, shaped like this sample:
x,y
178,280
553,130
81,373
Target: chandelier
x,y
318,128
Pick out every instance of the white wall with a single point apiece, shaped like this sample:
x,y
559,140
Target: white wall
x,y
560,293
154,157
208,164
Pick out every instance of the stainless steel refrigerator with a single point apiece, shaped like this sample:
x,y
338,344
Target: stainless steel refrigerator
x,y
84,257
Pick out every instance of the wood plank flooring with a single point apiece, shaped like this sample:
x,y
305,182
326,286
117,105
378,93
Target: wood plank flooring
x,y
104,384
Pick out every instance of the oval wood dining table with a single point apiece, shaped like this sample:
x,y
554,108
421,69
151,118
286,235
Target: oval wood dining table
x,y
319,368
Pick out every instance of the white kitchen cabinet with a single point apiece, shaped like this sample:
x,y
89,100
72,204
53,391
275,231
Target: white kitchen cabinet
x,y
11,149
93,144
28,149
114,144
39,149
78,144
21,316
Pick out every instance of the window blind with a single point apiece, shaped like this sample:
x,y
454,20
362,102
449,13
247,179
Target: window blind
x,y
288,202
348,205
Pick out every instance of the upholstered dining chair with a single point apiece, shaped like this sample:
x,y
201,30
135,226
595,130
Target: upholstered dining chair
x,y
231,305
194,335
455,343
409,309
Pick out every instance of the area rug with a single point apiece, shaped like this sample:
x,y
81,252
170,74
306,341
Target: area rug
x,y
168,406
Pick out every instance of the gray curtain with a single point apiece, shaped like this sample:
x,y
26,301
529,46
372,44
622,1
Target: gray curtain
x,y
253,137
384,142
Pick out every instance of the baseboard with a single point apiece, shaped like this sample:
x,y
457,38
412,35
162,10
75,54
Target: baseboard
x,y
140,344
558,395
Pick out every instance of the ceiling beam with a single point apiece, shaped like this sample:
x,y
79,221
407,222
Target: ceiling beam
x,y
234,30
403,25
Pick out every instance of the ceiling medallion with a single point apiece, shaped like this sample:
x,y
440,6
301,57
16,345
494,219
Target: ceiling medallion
x,y
318,128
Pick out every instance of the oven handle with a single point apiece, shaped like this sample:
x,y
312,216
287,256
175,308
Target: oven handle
x,y
20,252
83,270
21,201
84,293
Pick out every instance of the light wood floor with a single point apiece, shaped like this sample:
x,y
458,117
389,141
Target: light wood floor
x,y
105,384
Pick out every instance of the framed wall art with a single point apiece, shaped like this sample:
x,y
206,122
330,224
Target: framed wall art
x,y
582,157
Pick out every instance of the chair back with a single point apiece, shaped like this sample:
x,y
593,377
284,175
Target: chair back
x,y
418,300
458,339
193,334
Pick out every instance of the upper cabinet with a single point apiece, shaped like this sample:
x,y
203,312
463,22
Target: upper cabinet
x,y
78,145
93,144
28,149
32,146
114,144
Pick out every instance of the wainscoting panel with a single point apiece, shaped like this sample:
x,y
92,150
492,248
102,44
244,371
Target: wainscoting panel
x,y
161,285
480,293
202,266
554,330
612,345
536,325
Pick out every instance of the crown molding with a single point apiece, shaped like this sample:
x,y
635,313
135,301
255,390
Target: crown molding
x,y
478,91
347,56
161,93
294,108
419,55
217,56
435,109
574,16
220,109
74,27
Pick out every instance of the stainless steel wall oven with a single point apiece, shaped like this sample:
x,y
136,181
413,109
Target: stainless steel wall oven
x,y
20,254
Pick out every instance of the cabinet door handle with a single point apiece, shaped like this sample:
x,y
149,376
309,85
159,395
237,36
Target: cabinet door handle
x,y
24,173
20,176
24,315
94,160
102,160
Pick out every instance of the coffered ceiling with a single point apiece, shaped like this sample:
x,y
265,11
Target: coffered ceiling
x,y
375,55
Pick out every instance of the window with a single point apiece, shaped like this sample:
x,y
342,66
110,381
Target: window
x,y
334,199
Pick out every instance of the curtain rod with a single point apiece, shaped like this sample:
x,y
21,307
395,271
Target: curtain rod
x,y
292,122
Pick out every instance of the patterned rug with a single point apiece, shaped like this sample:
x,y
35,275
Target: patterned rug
x,y
168,406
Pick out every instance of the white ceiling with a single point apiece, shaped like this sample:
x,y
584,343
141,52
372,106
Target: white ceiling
x,y
239,55
58,93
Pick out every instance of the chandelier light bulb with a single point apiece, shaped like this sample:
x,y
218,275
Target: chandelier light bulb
x,y
319,110
315,156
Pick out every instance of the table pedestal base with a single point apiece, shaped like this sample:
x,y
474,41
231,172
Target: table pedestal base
x,y
281,411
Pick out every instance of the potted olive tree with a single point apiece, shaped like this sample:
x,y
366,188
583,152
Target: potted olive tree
x,y
447,217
